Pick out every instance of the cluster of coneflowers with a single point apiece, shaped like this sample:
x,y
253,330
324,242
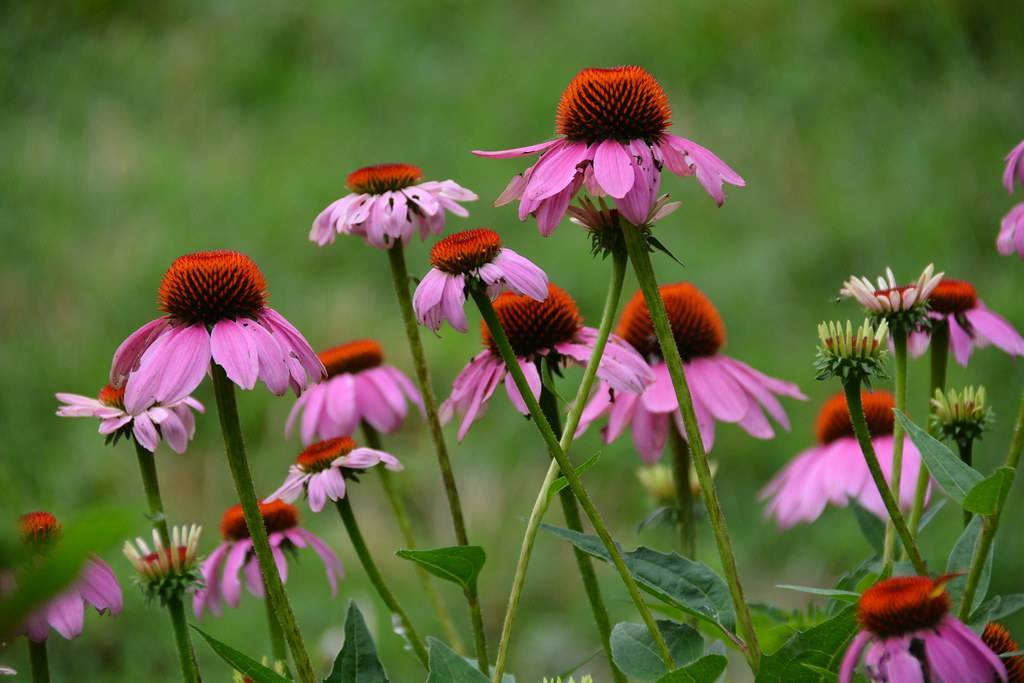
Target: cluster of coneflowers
x,y
658,371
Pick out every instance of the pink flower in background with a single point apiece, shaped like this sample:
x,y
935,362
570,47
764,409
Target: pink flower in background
x,y
216,309
909,636
221,580
834,470
388,204
96,586
1013,174
359,387
1011,232
175,423
723,389
971,324
319,471
538,329
613,125
441,294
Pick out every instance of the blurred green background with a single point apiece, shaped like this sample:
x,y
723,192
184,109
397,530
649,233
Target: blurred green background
x,y
871,133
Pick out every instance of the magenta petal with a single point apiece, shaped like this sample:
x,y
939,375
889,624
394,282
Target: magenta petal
x,y
170,369
145,433
99,587
273,366
532,375
174,431
127,355
517,151
613,168
960,342
66,614
555,171
332,564
232,584
852,657
650,431
232,350
993,328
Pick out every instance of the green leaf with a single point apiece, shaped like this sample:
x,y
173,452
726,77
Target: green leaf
x,y
986,495
820,646
634,651
241,662
560,483
707,669
666,514
459,564
929,515
448,667
358,661
960,561
956,477
999,607
678,581
871,526
845,596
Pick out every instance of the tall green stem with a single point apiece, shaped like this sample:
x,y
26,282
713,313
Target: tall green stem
x,y
348,518
860,429
278,645
636,244
39,662
234,446
182,637
991,523
966,449
939,361
684,492
899,341
483,302
397,503
400,280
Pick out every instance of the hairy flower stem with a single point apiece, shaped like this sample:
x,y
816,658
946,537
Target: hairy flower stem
x,y
990,524
966,449
549,404
278,646
860,428
899,342
175,607
397,503
348,518
483,302
636,244
400,280
39,662
684,493
234,446
939,361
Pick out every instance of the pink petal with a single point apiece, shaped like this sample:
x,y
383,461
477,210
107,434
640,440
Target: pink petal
x,y
127,355
555,171
992,328
517,151
233,351
613,168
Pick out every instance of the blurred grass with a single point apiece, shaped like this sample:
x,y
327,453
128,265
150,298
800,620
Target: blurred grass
x,y
870,133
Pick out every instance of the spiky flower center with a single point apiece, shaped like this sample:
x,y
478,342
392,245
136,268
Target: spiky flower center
x,y
466,251
38,527
624,103
112,396
534,326
696,325
903,605
353,357
210,286
318,456
383,178
277,516
834,418
953,297
1001,642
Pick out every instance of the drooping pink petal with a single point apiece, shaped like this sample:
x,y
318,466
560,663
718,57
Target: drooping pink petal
x,y
960,341
145,433
718,390
209,596
852,656
650,431
522,275
66,614
127,355
532,375
613,168
1014,171
271,357
550,211
342,405
518,151
426,300
637,203
332,564
231,581
233,351
556,170
991,328
173,430
99,587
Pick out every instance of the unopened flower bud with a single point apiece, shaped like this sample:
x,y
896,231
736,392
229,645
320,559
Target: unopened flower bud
x,y
961,416
165,573
852,354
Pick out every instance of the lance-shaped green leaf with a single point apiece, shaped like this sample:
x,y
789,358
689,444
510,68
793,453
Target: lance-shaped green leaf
x,y
358,661
871,526
241,662
676,580
837,593
635,653
707,669
459,564
986,495
448,667
560,483
959,562
803,657
956,477
998,607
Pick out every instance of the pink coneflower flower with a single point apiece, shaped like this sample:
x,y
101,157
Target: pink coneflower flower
x,y
613,128
550,328
321,469
388,204
475,254
723,389
216,309
1011,232
175,422
910,636
359,386
971,324
65,614
221,580
834,471
1014,171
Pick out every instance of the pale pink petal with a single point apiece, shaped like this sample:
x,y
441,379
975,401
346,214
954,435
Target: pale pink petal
x,y
99,587
990,327
532,375
271,357
127,355
66,614
959,341
174,432
332,564
517,151
613,168
145,433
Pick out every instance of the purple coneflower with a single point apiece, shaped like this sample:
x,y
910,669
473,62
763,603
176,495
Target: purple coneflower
x,y
1011,232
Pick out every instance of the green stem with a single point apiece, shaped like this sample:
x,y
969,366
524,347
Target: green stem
x,y
234,446
939,361
500,339
966,449
400,280
991,523
397,503
39,662
860,428
684,492
636,244
182,636
549,404
899,341
278,646
348,518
